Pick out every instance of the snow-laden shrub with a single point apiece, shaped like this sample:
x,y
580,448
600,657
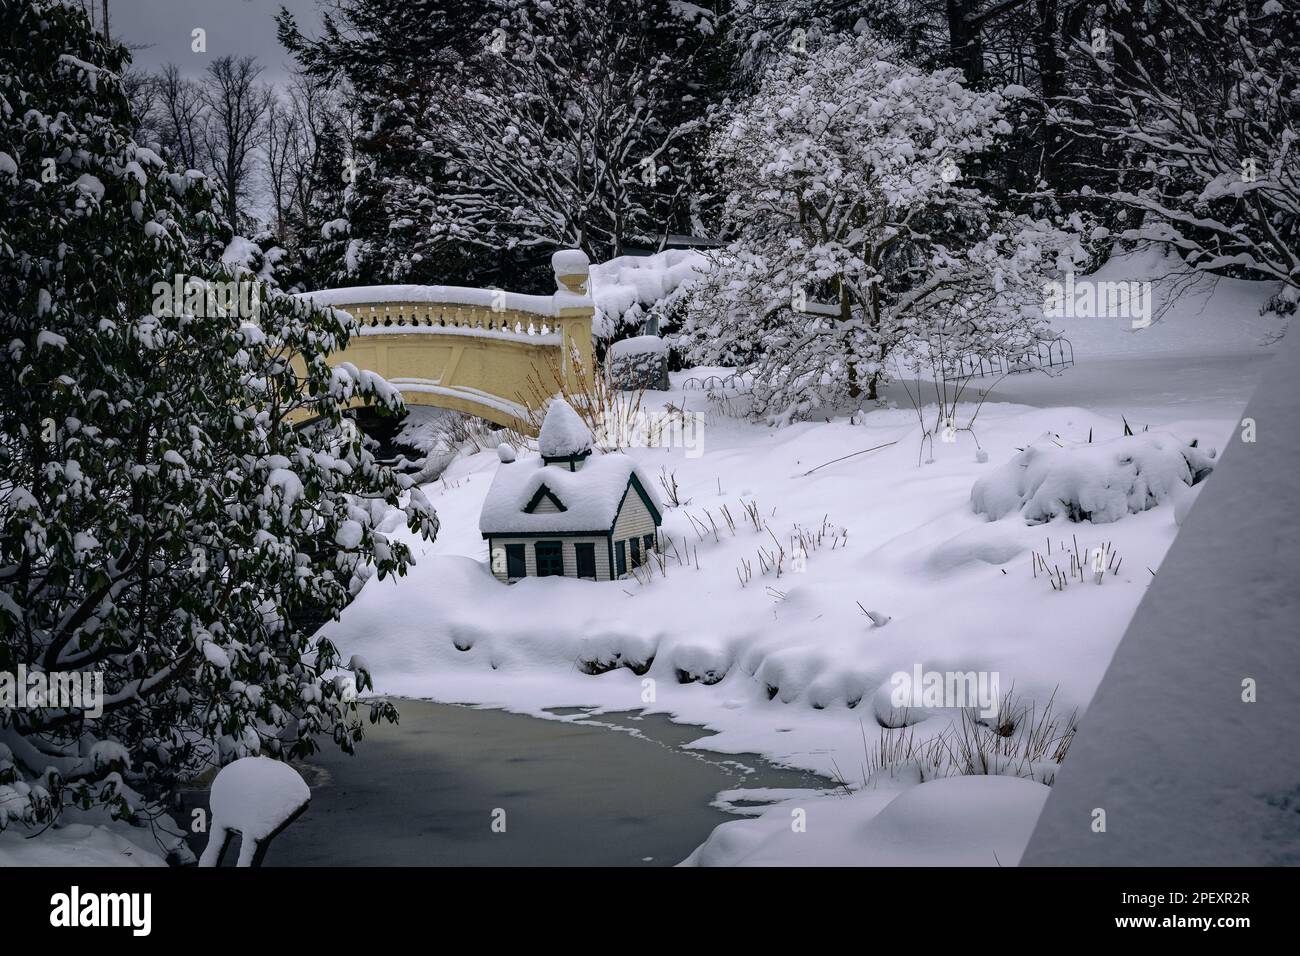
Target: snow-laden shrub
x,y
627,290
859,244
1094,481
163,527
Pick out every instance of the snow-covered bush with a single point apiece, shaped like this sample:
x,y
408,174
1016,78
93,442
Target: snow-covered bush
x,y
1094,481
859,238
628,290
163,526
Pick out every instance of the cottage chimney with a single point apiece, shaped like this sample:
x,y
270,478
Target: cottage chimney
x,y
564,439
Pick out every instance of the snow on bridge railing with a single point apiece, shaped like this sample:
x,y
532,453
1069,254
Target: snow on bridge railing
x,y
442,307
390,307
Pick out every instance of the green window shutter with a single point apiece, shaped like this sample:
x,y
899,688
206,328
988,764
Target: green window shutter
x,y
585,557
516,565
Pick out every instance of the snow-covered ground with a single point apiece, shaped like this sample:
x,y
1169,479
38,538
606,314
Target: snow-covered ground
x,y
790,665
86,838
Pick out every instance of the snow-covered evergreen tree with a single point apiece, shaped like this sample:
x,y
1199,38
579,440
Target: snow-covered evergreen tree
x,y
860,240
163,524
395,58
322,228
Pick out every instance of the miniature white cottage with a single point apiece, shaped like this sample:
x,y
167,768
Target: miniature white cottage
x,y
570,512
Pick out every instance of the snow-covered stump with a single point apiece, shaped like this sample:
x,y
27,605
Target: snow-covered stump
x,y
256,798
640,362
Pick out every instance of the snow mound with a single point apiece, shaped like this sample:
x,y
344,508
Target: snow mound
x,y
624,287
955,821
563,432
979,544
570,262
1095,481
256,797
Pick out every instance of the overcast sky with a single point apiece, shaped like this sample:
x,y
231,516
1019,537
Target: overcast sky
x,y
163,28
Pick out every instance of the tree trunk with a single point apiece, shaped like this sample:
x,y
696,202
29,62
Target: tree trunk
x,y
1051,71
965,45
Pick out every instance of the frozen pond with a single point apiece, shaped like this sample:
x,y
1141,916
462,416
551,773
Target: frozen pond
x,y
426,792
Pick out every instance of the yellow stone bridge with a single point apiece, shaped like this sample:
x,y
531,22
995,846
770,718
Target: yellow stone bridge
x,y
473,350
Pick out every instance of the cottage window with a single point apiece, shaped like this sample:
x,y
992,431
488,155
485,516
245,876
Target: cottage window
x,y
636,552
550,558
620,553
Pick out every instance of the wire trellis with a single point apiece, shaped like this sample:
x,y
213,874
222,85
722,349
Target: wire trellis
x,y
1052,355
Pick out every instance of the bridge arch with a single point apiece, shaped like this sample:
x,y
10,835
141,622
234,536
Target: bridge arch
x,y
473,350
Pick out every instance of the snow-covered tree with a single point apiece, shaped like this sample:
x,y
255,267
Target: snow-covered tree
x,y
163,523
862,235
321,229
395,59
1197,108
495,133
571,132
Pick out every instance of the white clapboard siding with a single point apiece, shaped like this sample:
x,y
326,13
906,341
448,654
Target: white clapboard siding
x,y
634,521
570,556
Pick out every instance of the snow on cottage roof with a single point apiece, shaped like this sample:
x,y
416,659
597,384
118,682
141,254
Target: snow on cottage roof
x,y
563,432
591,495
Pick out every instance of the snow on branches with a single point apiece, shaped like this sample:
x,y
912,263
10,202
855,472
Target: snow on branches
x,y
570,132
860,240
1200,144
163,523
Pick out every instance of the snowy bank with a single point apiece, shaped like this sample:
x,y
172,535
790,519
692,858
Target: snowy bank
x,y
958,821
81,844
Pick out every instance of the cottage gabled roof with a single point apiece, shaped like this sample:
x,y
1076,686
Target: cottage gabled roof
x,y
590,496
